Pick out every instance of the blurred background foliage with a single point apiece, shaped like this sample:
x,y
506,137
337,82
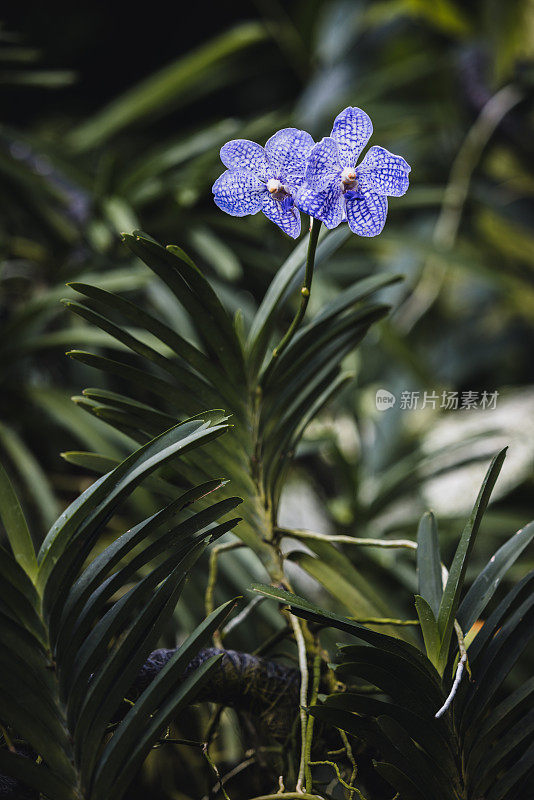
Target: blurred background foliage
x,y
115,122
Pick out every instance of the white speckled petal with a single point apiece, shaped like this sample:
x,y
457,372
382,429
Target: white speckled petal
x,y
385,172
324,204
287,152
238,192
352,130
243,154
323,164
367,214
288,220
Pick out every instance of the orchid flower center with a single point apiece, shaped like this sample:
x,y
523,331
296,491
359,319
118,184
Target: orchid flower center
x,y
348,178
275,187
280,193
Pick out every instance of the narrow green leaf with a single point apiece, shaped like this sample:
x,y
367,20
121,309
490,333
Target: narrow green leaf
x,y
18,711
429,562
363,728
183,378
113,680
350,593
429,628
289,375
16,527
518,594
430,777
497,659
359,291
302,608
18,596
166,686
183,696
95,462
81,661
103,563
38,776
285,280
401,782
212,323
432,735
76,637
400,677
277,470
501,718
82,523
160,387
310,342
451,595
487,581
486,770
97,501
502,789
194,357
31,473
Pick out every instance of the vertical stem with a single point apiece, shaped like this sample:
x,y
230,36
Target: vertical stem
x,y
305,289
303,665
350,756
311,719
212,580
7,739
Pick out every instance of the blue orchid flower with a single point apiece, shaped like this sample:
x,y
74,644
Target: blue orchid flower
x,y
267,180
336,189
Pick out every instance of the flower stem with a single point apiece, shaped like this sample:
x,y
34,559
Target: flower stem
x,y
305,289
311,720
303,666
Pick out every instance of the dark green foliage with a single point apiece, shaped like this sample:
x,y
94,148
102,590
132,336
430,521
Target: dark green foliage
x,y
447,84
77,629
481,746
271,399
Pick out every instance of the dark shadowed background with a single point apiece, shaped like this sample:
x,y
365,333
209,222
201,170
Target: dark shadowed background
x,y
113,120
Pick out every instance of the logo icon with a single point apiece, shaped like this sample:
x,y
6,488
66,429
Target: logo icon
x,y
384,400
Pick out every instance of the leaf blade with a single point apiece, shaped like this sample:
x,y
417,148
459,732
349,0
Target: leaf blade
x,y
16,526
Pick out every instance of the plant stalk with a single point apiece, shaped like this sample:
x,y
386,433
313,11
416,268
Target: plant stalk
x,y
304,291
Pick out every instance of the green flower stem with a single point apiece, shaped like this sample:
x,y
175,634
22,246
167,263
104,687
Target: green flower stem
x,y
343,782
311,720
350,756
303,666
305,289
212,580
214,767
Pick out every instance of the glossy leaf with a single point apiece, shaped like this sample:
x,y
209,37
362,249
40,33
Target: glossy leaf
x,y
488,580
429,628
451,594
429,562
15,526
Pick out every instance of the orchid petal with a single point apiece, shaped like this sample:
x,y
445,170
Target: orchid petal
x,y
325,204
243,154
385,173
238,192
286,218
287,153
366,213
323,164
352,130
